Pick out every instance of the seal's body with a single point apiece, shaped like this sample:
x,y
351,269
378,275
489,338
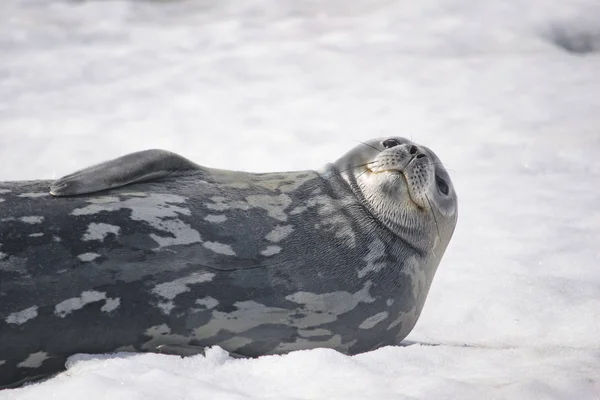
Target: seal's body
x,y
176,257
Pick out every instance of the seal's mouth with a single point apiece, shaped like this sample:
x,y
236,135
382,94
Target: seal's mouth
x,y
401,174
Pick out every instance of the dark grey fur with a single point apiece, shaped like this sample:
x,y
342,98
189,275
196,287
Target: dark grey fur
x,y
193,257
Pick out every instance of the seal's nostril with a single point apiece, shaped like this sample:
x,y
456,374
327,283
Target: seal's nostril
x,y
421,155
413,149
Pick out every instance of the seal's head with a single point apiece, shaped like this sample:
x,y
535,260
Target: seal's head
x,y
404,186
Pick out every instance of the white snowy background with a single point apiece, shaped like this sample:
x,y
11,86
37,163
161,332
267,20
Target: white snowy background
x,y
506,92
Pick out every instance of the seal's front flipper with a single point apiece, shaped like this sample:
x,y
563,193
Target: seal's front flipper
x,y
131,168
186,350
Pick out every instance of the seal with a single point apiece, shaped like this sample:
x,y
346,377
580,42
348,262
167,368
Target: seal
x,y
151,252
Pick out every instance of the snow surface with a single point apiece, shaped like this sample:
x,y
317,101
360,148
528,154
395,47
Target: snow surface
x,y
507,93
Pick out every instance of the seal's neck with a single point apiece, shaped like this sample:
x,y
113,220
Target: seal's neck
x,y
403,224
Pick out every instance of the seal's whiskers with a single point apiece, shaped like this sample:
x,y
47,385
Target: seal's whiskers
x,y
434,220
366,144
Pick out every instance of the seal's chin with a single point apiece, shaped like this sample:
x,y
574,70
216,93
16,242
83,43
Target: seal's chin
x,y
400,175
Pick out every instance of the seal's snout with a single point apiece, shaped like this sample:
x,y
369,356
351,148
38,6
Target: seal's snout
x,y
397,157
415,152
410,149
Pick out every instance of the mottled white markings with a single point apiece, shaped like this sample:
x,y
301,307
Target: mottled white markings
x,y
170,290
36,234
216,218
274,205
134,194
34,195
332,219
271,250
157,210
234,343
34,360
99,231
183,233
111,305
34,219
335,303
249,314
314,332
2,191
326,307
1,200
389,302
285,182
298,210
407,319
222,203
103,200
373,320
87,257
161,335
76,303
22,316
373,258
2,362
420,277
208,302
279,233
220,248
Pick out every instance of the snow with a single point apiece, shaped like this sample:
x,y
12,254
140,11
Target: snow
x,y
506,93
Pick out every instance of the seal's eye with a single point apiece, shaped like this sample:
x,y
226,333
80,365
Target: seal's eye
x,y
442,185
389,143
